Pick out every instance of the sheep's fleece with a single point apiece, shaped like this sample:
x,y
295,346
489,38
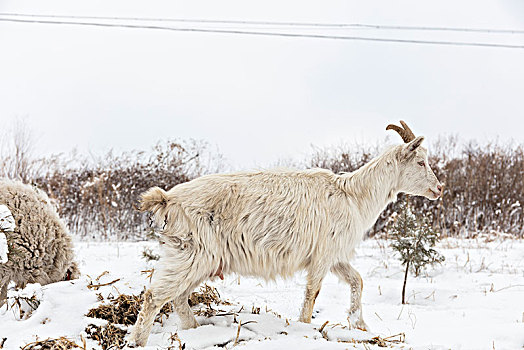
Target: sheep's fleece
x,y
40,249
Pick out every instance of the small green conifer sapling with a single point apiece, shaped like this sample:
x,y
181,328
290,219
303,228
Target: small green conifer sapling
x,y
414,239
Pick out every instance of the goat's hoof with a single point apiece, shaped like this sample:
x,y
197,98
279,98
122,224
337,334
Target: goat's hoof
x,y
304,320
131,342
132,345
188,324
360,324
356,322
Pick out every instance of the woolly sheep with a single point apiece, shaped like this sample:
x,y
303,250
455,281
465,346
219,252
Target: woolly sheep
x,y
39,247
275,223
7,224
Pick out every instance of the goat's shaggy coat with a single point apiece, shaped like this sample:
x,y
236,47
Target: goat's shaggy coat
x,y
272,223
40,249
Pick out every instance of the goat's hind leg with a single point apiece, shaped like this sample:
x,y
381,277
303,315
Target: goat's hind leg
x,y
154,298
348,274
168,284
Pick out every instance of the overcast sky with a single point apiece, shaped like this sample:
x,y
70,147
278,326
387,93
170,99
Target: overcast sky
x,y
259,99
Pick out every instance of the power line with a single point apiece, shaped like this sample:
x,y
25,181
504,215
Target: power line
x,y
258,33
277,23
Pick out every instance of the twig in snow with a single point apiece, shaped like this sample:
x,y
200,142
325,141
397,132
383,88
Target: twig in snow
x,y
238,332
323,326
510,286
431,295
398,317
84,346
150,274
101,275
96,286
402,337
412,318
175,338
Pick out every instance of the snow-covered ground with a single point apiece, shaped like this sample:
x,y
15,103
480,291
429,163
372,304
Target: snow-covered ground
x,y
474,300
7,223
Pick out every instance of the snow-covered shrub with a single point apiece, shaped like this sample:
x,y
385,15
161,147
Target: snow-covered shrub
x,y
98,199
483,185
39,247
414,240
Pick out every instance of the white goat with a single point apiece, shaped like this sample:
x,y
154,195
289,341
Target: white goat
x,y
274,223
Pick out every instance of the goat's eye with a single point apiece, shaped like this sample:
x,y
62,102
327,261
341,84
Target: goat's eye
x,y
422,163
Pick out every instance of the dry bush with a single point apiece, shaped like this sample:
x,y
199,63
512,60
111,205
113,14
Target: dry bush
x,y
98,199
16,152
483,185
344,158
483,193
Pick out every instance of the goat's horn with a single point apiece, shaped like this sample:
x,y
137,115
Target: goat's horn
x,y
408,130
406,133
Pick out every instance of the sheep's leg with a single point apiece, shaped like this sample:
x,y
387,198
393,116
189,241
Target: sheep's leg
x,y
169,283
3,294
314,282
351,276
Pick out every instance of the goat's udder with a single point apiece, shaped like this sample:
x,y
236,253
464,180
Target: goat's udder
x,y
218,272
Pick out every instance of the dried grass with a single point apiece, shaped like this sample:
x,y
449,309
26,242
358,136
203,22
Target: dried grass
x,y
379,341
21,302
124,309
149,255
176,342
207,296
61,343
108,337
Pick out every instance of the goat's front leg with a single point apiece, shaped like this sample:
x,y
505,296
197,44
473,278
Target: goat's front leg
x,y
351,276
314,282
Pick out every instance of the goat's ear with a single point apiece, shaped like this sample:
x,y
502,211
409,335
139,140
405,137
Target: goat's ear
x,y
412,146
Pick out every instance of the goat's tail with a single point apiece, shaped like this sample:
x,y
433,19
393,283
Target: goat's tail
x,y
153,200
